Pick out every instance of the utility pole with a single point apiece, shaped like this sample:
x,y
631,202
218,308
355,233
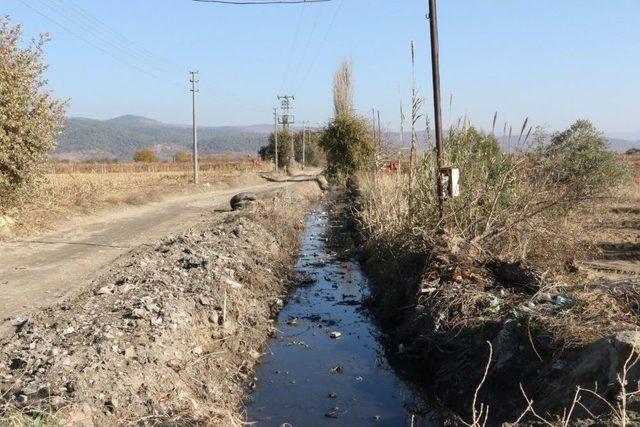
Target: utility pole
x,y
435,70
287,119
194,90
401,136
304,146
285,105
379,135
275,133
375,141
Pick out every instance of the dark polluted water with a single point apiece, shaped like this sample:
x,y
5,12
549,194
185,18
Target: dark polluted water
x,y
309,378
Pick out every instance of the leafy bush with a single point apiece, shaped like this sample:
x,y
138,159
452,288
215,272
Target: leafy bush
x,y
146,155
348,145
268,152
346,140
313,152
578,162
29,117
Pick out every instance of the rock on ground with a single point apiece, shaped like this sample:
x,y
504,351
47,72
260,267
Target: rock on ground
x,y
242,200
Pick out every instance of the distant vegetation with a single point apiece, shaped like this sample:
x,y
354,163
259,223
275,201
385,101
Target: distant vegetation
x,y
347,139
313,152
30,116
146,155
121,137
268,152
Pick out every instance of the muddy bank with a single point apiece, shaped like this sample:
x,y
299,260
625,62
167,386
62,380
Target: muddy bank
x,y
170,332
439,313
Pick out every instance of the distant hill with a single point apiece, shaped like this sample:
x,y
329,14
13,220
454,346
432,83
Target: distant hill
x,y
120,137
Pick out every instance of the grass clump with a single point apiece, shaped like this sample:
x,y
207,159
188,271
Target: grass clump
x,y
512,206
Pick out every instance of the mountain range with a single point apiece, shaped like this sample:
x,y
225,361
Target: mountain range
x,y
121,137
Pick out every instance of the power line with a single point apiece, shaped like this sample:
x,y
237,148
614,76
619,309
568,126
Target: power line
x,y
89,29
305,48
115,35
291,49
89,42
324,41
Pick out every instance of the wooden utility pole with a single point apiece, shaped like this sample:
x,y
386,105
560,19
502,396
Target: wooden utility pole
x,y
275,134
435,71
194,81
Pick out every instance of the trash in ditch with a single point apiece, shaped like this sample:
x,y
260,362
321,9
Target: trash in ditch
x,y
494,304
333,395
337,369
563,300
335,412
335,334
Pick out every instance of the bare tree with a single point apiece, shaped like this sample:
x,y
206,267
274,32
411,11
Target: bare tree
x,y
343,90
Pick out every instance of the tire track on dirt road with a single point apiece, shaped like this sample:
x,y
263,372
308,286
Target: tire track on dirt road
x,y
47,268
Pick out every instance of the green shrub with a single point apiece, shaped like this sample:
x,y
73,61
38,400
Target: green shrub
x,y
578,162
346,140
313,152
268,152
29,117
348,145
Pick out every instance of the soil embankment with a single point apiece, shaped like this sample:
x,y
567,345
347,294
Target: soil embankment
x,y
439,311
170,332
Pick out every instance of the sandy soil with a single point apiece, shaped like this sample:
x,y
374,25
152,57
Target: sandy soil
x,y
43,269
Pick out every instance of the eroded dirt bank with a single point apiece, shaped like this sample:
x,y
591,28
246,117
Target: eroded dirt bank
x,y
170,333
439,313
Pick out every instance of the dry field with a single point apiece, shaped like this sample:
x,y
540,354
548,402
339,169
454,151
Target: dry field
x,y
71,189
612,227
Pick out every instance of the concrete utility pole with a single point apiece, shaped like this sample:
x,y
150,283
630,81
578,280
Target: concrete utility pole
x,y
287,119
304,134
285,105
275,133
194,81
435,69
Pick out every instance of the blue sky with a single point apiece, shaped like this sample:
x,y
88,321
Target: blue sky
x,y
551,60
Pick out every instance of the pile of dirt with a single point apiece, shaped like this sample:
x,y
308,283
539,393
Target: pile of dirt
x,y
171,332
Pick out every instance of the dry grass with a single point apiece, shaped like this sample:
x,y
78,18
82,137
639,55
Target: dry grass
x,y
205,165
63,195
554,244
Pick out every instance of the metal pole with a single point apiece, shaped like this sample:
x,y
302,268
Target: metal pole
x,y
195,128
275,133
435,69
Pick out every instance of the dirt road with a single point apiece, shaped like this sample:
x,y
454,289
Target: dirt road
x,y
46,268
